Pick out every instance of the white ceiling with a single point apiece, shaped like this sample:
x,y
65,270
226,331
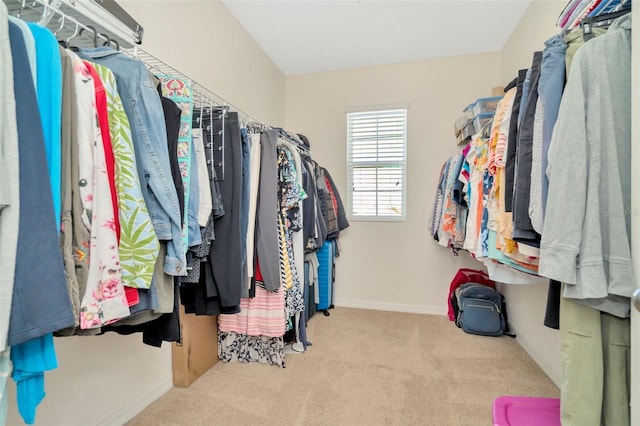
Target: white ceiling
x,y
306,36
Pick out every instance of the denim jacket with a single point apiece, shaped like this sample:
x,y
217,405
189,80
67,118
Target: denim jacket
x,y
144,109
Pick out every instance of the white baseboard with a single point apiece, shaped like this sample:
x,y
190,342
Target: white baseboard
x,y
134,407
393,307
536,355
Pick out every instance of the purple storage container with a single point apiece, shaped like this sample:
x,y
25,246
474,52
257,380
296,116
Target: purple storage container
x,y
526,411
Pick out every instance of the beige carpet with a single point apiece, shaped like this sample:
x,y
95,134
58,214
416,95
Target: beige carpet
x,y
364,368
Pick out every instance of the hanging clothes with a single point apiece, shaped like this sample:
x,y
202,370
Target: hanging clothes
x,y
290,194
48,89
30,327
254,188
205,202
255,334
138,245
221,276
179,91
172,118
522,230
37,234
596,102
9,201
588,245
267,222
9,180
226,256
104,299
150,142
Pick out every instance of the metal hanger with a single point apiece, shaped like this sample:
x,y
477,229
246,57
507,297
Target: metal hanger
x,y
486,130
62,19
75,32
44,11
95,34
600,21
24,2
107,39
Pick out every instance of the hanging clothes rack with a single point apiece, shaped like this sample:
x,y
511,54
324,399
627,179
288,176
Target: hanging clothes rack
x,y
88,23
84,19
65,16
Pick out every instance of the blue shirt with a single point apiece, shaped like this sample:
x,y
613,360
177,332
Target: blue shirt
x,y
49,92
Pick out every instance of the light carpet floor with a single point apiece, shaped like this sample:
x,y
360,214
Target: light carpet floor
x,y
364,368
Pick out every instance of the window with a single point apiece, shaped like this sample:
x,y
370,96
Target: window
x,y
376,161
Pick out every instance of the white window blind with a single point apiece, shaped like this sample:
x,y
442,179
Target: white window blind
x,y
376,162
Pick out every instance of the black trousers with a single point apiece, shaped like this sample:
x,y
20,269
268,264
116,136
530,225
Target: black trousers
x,y
522,229
511,147
225,257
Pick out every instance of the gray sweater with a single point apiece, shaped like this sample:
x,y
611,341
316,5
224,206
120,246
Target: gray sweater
x,y
586,238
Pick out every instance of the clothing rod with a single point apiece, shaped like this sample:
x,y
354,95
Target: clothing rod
x,y
67,13
66,17
201,95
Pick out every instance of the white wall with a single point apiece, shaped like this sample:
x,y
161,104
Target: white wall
x,y
393,265
205,41
527,303
108,379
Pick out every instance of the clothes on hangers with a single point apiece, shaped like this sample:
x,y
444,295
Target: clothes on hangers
x,y
254,188
172,118
523,231
48,89
149,135
604,104
9,178
9,201
30,326
267,221
581,144
179,91
104,298
550,87
244,205
151,212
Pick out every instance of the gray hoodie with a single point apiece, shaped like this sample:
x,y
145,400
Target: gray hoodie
x,y
586,239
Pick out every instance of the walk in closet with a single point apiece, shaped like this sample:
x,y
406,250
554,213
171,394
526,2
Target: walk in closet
x,y
200,176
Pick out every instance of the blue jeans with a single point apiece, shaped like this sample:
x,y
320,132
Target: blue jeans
x,y
550,86
526,88
144,110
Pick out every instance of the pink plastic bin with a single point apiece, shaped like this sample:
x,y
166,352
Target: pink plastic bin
x,y
526,411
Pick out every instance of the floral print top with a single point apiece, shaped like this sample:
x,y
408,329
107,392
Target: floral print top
x,y
290,194
104,299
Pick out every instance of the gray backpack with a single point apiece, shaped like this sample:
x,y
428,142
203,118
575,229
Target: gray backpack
x,y
481,310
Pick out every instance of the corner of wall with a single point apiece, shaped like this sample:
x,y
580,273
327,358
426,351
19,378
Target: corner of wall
x,y
551,369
